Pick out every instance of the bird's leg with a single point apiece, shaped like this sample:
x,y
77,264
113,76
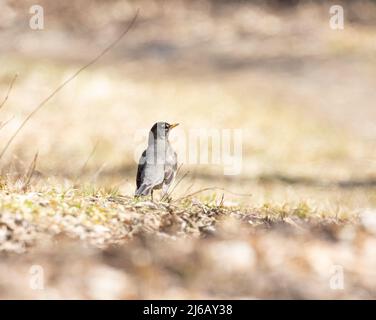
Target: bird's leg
x,y
152,200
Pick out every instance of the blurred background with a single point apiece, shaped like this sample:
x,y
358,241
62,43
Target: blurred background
x,y
302,93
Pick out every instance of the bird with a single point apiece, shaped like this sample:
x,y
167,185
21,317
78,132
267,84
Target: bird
x,y
158,163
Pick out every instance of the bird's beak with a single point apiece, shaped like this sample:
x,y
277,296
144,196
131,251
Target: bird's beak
x,y
174,125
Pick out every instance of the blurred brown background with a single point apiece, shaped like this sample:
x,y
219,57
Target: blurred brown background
x,y
302,92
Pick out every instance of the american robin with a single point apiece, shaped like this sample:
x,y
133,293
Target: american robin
x,y
158,163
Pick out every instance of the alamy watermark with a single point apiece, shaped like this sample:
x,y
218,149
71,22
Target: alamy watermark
x,y
36,279
337,17
222,147
36,21
337,278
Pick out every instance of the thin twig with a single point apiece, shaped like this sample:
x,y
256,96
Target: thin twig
x,y
167,194
222,200
212,188
30,173
4,123
61,86
98,172
9,90
193,178
189,188
174,187
81,172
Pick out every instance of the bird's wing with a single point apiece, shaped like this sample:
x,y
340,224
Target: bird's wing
x,y
170,169
141,169
169,175
150,173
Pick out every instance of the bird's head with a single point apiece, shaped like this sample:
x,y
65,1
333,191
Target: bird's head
x,y
160,130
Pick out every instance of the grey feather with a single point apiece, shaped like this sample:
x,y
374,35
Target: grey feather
x,y
158,163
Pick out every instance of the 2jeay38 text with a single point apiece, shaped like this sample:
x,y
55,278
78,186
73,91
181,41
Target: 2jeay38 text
x,y
191,309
